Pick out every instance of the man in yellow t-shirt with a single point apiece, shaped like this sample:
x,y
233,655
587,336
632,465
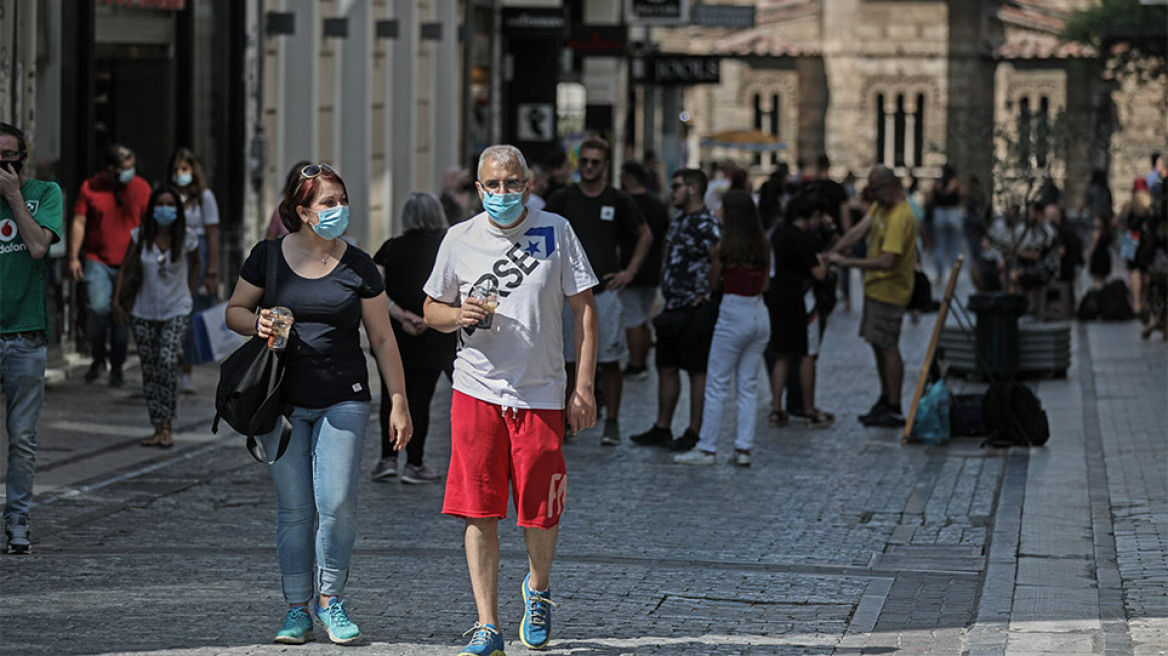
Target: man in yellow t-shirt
x,y
888,282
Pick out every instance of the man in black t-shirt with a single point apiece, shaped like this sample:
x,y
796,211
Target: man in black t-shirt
x,y
601,216
637,299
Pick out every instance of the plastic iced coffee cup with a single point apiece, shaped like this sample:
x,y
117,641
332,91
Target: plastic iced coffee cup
x,y
487,295
282,321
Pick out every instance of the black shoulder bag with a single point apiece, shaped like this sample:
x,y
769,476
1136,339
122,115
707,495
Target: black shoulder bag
x,y
248,397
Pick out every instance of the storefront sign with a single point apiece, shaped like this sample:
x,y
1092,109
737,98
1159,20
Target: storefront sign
x,y
669,70
658,12
531,23
599,40
733,16
536,122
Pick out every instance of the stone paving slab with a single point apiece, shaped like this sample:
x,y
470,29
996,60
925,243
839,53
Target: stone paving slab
x,y
839,541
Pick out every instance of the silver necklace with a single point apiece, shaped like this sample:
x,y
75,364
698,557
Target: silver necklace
x,y
323,260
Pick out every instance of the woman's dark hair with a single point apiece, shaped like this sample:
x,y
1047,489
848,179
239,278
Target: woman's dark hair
x,y
303,194
292,178
178,229
743,239
802,205
198,182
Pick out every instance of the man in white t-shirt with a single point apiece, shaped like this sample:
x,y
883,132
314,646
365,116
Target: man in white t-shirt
x,y
507,410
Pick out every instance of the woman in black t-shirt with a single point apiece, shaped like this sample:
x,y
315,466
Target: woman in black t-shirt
x,y
406,263
331,289
795,327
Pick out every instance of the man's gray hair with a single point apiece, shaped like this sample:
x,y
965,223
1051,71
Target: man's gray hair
x,y
882,175
503,155
423,213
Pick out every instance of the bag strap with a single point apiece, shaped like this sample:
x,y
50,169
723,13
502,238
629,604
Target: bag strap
x,y
254,447
272,258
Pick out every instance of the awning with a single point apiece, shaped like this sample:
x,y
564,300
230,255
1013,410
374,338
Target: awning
x,y
752,140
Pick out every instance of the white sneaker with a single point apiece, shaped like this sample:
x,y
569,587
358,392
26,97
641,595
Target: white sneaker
x,y
694,457
741,458
185,384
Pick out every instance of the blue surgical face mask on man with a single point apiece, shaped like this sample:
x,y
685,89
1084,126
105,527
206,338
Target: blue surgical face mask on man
x,y
126,175
504,209
332,222
165,215
183,179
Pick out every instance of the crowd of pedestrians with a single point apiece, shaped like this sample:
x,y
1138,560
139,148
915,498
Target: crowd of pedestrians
x,y
529,287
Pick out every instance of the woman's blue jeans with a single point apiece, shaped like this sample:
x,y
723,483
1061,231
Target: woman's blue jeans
x,y
22,381
317,478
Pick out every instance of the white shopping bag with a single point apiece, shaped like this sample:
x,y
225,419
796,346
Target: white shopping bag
x,y
221,340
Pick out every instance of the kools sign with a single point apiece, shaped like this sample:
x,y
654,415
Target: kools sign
x,y
677,70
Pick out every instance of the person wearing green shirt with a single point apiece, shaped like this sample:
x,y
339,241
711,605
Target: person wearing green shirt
x,y
30,222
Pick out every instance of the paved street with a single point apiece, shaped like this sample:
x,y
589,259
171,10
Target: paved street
x,y
840,541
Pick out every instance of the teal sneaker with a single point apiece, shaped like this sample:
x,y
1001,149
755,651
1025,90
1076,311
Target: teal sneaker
x,y
297,628
486,641
341,629
536,628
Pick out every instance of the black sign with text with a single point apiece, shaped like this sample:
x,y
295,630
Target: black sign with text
x,y
669,70
535,23
658,11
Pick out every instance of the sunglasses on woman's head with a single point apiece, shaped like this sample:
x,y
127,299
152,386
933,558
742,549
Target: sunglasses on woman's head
x,y
313,170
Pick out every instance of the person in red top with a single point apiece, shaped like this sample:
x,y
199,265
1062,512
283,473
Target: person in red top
x,y
109,205
741,261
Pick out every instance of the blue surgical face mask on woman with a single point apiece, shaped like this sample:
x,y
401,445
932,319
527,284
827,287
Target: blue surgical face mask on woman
x,y
504,209
183,179
126,175
165,215
332,222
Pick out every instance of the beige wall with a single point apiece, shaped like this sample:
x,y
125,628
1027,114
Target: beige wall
x,y
373,177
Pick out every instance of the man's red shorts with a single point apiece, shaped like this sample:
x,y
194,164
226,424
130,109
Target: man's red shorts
x,y
492,446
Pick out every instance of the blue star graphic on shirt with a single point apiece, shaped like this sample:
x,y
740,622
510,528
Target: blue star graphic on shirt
x,y
532,248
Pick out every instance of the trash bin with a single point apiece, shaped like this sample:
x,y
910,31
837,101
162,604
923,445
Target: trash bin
x,y
997,331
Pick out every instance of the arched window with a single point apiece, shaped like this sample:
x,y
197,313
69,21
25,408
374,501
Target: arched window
x,y
900,132
1042,132
1024,142
767,122
918,150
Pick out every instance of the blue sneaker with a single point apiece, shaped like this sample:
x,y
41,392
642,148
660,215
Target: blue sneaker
x,y
341,629
486,641
297,628
536,628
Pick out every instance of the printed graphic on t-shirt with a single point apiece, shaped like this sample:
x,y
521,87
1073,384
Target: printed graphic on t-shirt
x,y
607,213
32,206
509,271
8,230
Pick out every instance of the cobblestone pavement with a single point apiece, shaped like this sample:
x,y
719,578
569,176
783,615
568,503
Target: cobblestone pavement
x,y
840,541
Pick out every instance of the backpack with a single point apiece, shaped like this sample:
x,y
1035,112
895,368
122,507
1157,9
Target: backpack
x,y
1114,302
1014,416
1089,307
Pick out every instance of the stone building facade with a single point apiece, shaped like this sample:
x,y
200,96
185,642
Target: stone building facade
x,y
985,86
